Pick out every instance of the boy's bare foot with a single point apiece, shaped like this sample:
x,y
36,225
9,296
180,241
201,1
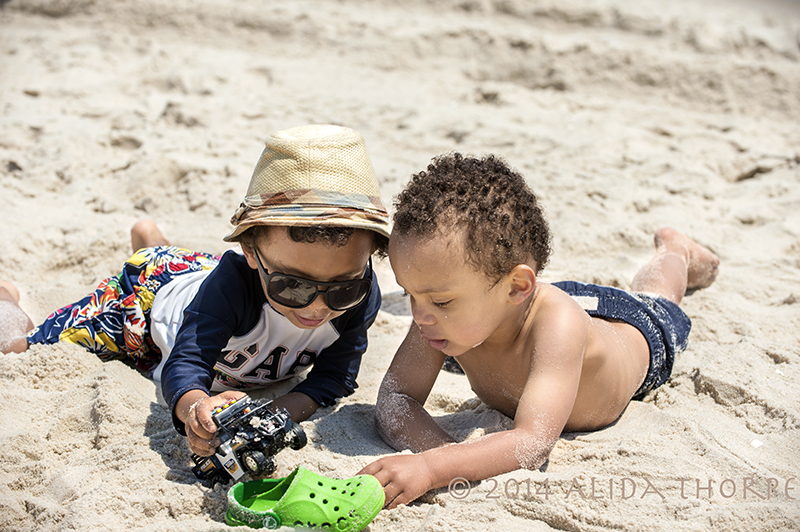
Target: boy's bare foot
x,y
146,234
14,323
701,263
9,292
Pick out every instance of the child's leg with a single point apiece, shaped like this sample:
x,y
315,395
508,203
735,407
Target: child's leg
x,y
679,264
146,234
14,323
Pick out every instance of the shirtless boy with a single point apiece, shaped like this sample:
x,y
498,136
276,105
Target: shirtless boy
x,y
468,242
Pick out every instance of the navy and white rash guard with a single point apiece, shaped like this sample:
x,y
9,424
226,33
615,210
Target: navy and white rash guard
x,y
217,331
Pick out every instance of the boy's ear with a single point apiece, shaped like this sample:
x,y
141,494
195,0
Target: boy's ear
x,y
249,255
522,282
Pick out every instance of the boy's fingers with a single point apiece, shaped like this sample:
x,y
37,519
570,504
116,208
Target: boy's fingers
x,y
390,489
201,411
376,470
197,430
200,431
200,448
206,406
200,420
200,445
200,426
394,498
371,469
233,394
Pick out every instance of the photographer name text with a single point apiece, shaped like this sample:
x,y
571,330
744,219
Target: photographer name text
x,y
625,488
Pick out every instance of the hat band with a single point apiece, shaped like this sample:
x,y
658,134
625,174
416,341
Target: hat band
x,y
306,213
316,197
311,207
308,202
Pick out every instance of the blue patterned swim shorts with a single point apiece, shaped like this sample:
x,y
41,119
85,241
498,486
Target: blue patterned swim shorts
x,y
665,326
114,320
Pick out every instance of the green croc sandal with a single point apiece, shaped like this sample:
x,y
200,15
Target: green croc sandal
x,y
306,500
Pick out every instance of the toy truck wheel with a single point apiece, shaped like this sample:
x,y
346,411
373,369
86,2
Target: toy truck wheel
x,y
255,462
297,437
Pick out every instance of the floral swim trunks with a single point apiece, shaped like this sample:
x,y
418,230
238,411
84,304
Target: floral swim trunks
x,y
664,325
114,320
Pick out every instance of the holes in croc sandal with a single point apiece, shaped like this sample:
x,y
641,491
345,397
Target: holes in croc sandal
x,y
335,508
312,495
324,501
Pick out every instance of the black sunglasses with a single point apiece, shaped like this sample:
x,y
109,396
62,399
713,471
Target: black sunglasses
x,y
295,292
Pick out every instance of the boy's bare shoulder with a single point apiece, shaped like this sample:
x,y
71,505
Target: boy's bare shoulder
x,y
550,302
555,318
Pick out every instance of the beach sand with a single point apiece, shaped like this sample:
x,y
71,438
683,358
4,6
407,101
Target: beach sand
x,y
623,116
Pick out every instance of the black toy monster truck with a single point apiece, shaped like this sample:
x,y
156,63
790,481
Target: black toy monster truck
x,y
251,433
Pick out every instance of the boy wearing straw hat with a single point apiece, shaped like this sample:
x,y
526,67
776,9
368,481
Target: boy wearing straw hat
x,y
301,294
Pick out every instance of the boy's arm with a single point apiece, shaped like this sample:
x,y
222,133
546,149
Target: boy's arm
x,y
227,303
541,415
299,405
400,417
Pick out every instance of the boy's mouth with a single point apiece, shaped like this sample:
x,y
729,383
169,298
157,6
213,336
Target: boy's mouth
x,y
439,345
307,322
435,343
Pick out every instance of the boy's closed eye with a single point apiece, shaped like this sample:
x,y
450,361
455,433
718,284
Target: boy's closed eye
x,y
440,304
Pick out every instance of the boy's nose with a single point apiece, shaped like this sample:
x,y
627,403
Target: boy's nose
x,y
420,316
319,305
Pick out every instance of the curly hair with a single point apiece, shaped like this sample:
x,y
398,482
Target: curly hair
x,y
332,236
498,214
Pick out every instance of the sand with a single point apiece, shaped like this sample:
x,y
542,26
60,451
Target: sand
x,y
623,116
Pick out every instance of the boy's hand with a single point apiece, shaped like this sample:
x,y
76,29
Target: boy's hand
x,y
403,477
201,430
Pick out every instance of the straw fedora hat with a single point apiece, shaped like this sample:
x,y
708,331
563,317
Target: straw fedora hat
x,y
313,175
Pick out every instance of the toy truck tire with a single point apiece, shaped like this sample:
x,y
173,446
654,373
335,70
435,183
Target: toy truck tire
x,y
256,463
297,437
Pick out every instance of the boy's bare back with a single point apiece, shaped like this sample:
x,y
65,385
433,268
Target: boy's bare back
x,y
608,360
